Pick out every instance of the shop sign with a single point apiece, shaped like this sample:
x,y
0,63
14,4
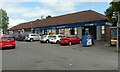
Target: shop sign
x,y
89,24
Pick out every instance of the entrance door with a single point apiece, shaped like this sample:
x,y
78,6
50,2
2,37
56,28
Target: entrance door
x,y
92,30
72,31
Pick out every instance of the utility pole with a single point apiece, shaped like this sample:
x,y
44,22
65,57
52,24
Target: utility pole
x,y
117,15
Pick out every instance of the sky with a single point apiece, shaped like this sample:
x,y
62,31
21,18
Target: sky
x,y
25,11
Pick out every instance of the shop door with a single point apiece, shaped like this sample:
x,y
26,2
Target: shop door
x,y
72,31
92,31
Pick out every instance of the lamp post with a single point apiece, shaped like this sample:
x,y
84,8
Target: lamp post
x,y
115,15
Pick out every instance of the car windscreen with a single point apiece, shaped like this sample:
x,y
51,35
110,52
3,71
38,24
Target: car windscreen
x,y
7,38
44,36
52,36
27,35
61,36
72,36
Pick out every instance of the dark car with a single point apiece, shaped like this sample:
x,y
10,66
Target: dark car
x,y
21,36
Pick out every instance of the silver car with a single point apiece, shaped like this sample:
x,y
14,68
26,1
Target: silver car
x,y
45,38
32,37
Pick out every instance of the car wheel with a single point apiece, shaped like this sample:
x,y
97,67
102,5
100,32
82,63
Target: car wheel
x,y
13,47
31,40
79,42
57,42
47,41
70,43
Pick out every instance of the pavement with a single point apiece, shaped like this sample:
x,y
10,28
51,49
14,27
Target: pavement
x,y
42,56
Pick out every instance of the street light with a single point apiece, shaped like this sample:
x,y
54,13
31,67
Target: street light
x,y
115,15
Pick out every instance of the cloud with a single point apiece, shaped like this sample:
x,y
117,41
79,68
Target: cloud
x,y
37,13
55,0
19,13
13,22
13,8
60,5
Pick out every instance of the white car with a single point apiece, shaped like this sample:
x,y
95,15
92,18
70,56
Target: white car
x,y
32,37
45,38
56,38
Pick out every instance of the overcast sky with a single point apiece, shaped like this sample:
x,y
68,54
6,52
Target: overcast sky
x,y
25,11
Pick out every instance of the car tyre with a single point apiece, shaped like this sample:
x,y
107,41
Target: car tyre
x,y
57,42
31,40
47,41
70,43
13,47
79,42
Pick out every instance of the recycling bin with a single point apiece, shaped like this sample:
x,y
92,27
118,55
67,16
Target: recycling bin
x,y
87,40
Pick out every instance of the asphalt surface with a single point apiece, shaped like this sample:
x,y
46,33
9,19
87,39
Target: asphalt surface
x,y
41,56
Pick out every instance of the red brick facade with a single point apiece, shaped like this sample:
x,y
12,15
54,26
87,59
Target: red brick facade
x,y
106,36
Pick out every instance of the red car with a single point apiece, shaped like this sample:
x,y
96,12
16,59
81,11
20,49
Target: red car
x,y
69,40
7,42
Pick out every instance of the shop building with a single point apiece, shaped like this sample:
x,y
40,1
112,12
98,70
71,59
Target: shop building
x,y
73,24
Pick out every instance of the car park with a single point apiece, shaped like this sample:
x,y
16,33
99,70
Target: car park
x,y
45,38
56,38
7,42
71,39
32,37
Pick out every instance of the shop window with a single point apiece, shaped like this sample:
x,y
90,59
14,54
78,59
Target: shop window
x,y
103,29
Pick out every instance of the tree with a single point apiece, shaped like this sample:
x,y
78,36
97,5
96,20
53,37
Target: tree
x,y
115,6
48,16
3,20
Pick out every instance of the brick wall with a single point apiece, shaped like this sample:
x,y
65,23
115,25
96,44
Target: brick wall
x,y
106,36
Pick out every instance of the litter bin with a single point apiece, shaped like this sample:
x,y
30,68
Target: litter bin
x,y
87,40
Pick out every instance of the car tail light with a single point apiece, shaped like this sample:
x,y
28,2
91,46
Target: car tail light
x,y
13,40
2,41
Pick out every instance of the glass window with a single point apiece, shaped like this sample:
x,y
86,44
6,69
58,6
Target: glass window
x,y
33,35
7,38
52,36
103,29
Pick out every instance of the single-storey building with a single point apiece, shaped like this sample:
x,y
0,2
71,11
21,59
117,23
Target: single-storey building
x,y
74,24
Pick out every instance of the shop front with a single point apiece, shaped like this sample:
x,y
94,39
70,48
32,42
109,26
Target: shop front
x,y
95,29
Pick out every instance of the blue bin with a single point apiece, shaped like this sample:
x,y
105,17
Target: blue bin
x,y
87,40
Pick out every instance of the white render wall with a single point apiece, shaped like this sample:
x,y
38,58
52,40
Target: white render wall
x,y
79,32
1,31
98,32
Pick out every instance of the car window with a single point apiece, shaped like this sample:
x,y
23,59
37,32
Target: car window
x,y
44,36
51,36
7,38
61,36
33,35
73,36
27,35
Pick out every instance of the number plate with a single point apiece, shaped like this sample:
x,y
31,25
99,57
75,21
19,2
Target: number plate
x,y
8,45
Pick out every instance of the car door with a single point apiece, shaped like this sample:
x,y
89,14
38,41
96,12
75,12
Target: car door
x,y
33,36
77,40
37,37
74,39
